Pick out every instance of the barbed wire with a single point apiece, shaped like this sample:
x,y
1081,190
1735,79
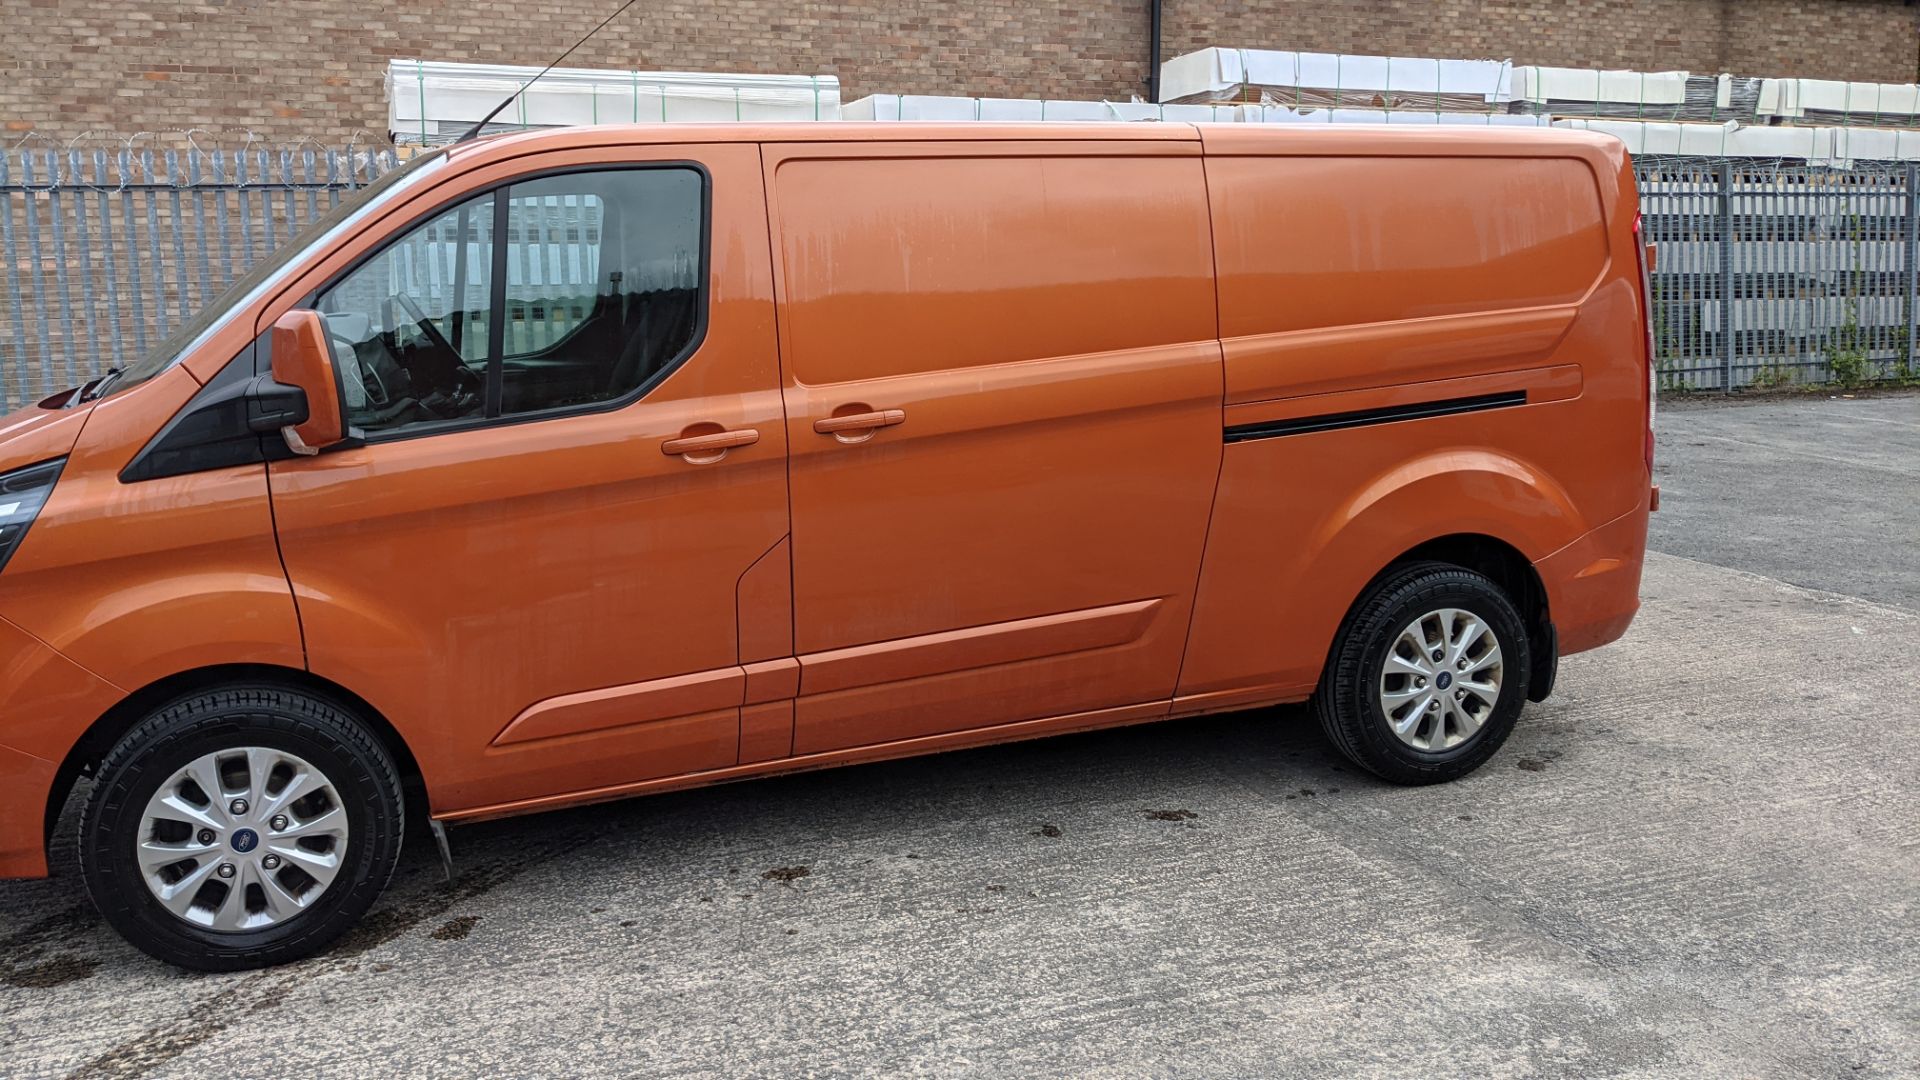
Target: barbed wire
x,y
63,163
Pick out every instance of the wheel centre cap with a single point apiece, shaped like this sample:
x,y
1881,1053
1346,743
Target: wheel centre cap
x,y
244,840
1442,680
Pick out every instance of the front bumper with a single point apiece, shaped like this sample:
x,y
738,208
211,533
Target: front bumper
x,y
25,783
46,703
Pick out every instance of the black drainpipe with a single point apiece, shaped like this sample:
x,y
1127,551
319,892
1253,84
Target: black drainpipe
x,y
1153,50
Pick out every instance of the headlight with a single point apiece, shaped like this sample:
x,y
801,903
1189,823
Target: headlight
x,y
22,493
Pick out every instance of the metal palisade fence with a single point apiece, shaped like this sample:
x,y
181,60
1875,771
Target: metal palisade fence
x,y
1767,272
105,250
1773,273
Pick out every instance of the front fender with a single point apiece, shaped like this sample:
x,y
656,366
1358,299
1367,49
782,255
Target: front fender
x,y
135,582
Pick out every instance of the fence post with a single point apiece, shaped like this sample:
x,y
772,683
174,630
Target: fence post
x,y
1726,277
1913,264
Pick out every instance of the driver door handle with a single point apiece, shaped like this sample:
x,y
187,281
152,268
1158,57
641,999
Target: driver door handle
x,y
707,444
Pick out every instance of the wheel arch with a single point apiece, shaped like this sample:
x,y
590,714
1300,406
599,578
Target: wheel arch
x,y
1510,569
1281,578
121,718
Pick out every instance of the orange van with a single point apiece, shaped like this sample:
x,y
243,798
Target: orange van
x,y
568,466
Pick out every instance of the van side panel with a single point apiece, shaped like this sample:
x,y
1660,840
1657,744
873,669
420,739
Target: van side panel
x,y
1024,543
1439,339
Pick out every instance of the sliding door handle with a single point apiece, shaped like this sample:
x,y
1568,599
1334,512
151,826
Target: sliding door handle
x,y
701,449
860,421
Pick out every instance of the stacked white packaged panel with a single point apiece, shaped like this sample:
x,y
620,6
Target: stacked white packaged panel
x,y
434,102
938,107
1823,101
1285,114
1336,80
1832,146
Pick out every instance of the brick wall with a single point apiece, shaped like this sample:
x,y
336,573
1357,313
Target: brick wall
x,y
1867,40
289,68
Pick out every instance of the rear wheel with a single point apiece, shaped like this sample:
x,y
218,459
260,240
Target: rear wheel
x,y
1427,676
241,827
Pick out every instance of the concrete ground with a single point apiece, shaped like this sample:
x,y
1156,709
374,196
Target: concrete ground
x,y
1819,491
1699,858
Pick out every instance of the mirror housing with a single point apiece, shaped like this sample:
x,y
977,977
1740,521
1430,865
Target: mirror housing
x,y
302,359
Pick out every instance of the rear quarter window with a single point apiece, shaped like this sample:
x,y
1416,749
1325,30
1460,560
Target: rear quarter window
x,y
1312,242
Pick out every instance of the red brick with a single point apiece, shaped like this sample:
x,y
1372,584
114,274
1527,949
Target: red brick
x,y
73,63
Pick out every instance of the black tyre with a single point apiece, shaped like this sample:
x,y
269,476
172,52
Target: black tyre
x,y
241,827
1427,676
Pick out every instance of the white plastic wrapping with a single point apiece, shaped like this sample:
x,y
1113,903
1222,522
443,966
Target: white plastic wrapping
x,y
1217,73
1797,98
1836,146
1286,114
431,102
936,107
1543,84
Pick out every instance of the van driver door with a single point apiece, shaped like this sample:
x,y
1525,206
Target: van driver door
x,y
574,461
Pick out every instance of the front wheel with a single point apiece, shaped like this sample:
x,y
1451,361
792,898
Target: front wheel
x,y
241,827
1427,676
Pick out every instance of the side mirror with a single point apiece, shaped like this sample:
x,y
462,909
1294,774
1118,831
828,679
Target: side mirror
x,y
303,359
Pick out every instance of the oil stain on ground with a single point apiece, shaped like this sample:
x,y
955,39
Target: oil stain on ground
x,y
786,874
31,958
1170,815
456,928
58,971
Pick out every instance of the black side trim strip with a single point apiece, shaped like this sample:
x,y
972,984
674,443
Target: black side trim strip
x,y
1392,414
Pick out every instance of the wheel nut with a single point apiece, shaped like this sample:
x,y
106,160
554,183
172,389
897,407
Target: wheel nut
x,y
238,806
206,836
1432,705
1463,663
226,870
271,862
1439,654
1419,684
1459,695
278,823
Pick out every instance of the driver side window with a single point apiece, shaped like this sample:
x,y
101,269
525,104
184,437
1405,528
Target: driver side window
x,y
409,327
560,292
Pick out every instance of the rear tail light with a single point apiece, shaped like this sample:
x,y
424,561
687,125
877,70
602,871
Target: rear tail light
x,y
1641,252
22,493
